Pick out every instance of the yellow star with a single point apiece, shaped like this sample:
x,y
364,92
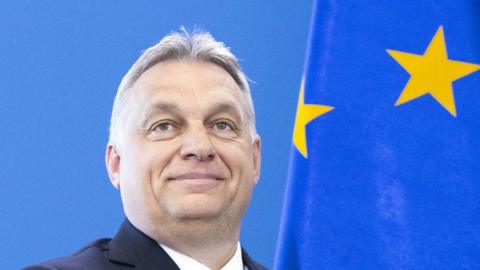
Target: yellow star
x,y
305,114
432,73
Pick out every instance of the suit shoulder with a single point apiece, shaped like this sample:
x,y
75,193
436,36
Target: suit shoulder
x,y
260,267
91,256
257,266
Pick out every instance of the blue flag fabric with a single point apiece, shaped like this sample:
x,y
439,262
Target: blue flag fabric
x,y
385,163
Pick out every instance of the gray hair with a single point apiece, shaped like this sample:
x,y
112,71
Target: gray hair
x,y
195,46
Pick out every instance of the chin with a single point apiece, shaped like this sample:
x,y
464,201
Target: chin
x,y
196,209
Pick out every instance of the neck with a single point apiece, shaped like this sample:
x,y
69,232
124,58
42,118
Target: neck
x,y
211,244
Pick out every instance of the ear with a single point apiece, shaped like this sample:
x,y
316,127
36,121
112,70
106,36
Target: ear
x,y
112,161
257,157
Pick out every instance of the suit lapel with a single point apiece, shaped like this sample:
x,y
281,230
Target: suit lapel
x,y
133,248
251,264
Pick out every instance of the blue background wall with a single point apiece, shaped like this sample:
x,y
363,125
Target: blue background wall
x,y
60,64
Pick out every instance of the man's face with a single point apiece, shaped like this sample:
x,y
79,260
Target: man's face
x,y
187,151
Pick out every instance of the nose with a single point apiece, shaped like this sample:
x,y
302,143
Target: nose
x,y
197,144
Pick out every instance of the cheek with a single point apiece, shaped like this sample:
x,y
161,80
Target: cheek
x,y
134,178
239,161
158,161
141,166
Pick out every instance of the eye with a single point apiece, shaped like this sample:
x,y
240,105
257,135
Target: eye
x,y
223,125
163,130
162,127
224,128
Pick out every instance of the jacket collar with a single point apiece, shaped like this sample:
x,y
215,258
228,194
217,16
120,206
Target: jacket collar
x,y
250,263
132,247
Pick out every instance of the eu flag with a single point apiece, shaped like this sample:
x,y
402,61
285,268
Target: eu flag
x,y
385,161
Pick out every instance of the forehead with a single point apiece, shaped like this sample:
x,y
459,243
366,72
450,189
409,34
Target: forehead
x,y
186,79
186,75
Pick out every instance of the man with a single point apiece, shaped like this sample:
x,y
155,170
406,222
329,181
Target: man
x,y
185,156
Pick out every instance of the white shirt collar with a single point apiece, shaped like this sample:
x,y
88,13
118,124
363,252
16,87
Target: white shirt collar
x,y
185,262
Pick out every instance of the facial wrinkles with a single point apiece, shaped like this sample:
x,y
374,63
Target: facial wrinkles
x,y
247,111
141,103
240,99
196,95
197,124
202,97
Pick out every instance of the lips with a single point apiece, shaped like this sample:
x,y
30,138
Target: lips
x,y
197,182
197,175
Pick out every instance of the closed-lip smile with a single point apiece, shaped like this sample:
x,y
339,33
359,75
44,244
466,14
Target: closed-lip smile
x,y
197,182
196,175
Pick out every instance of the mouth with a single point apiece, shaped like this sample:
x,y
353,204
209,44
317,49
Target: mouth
x,y
195,182
197,176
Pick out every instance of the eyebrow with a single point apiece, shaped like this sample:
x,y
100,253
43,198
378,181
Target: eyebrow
x,y
167,107
224,107
172,108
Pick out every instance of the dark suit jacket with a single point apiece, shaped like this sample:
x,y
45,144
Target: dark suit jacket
x,y
129,249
